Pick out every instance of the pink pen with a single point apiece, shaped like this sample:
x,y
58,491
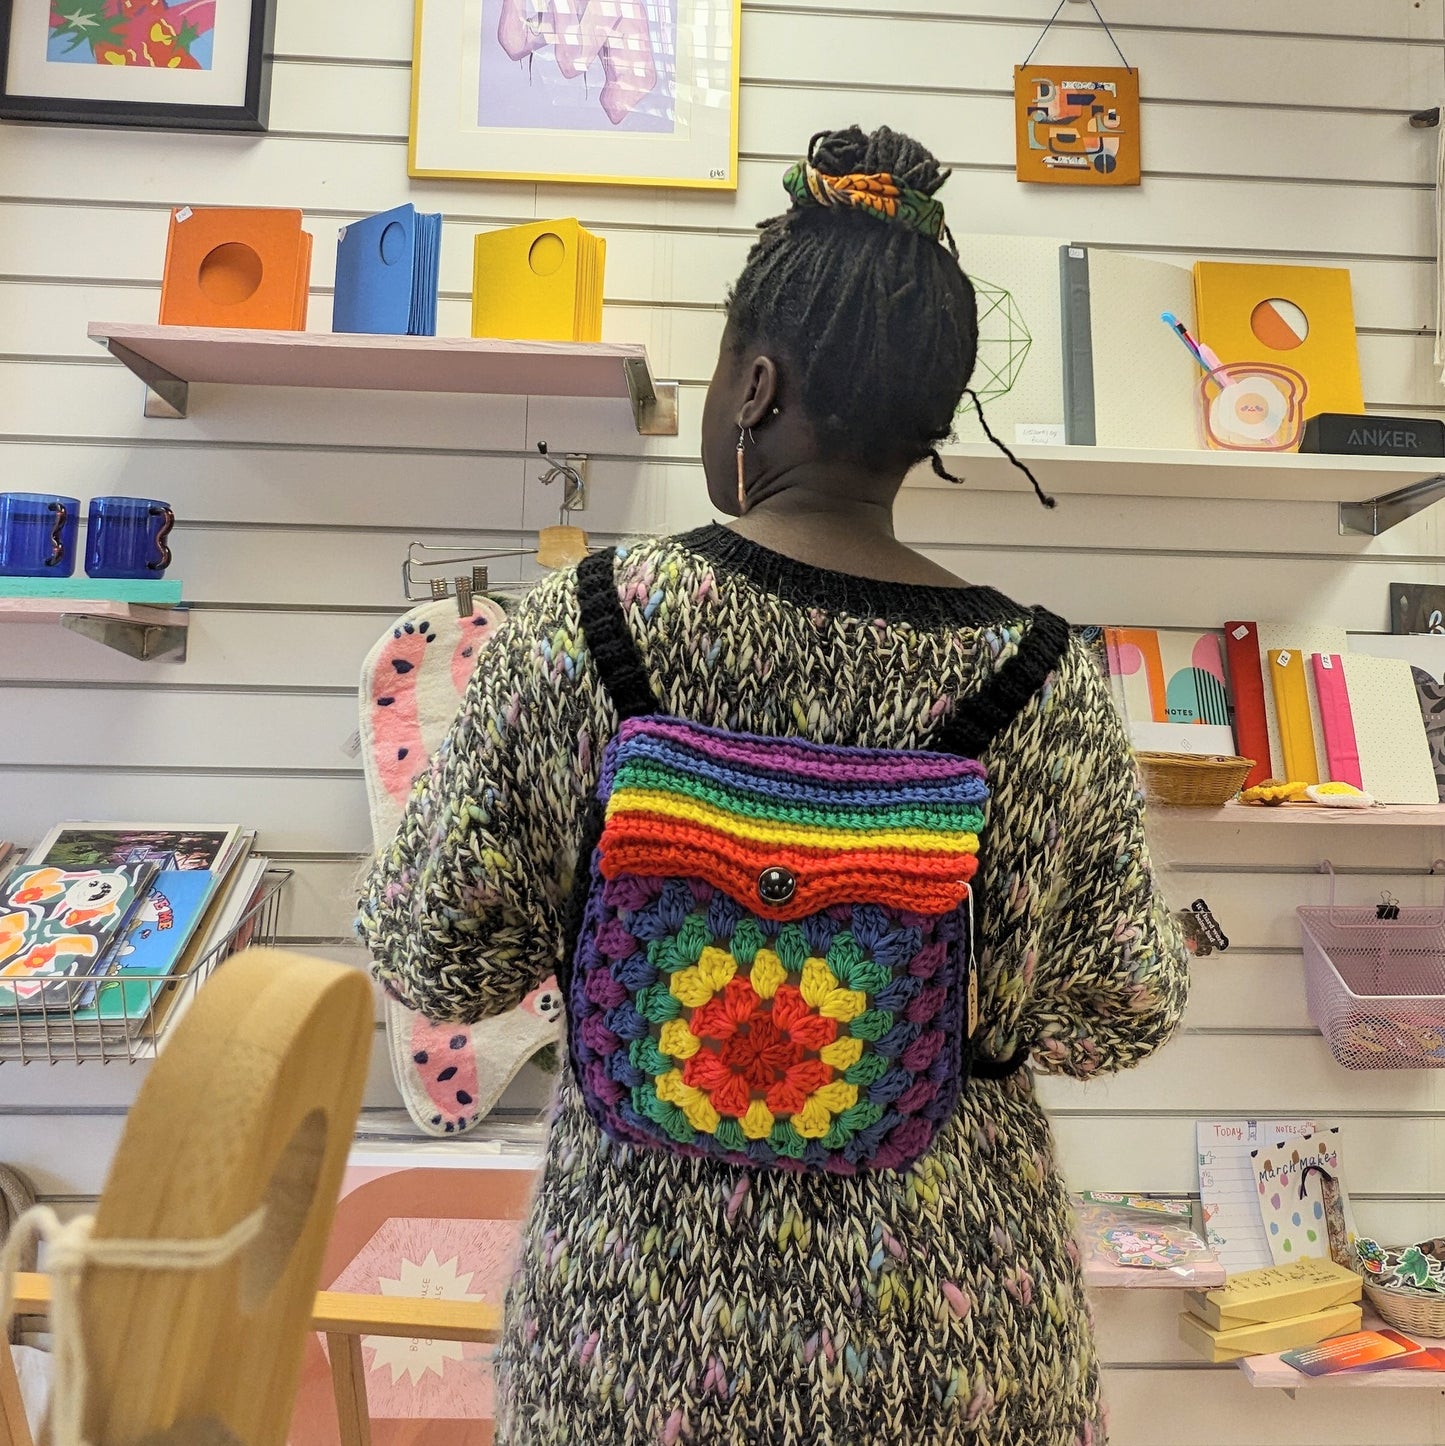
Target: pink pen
x,y
1209,357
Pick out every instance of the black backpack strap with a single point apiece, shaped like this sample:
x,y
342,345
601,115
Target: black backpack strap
x,y
977,721
609,639
997,1069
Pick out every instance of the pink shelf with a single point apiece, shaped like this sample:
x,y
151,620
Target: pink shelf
x,y
51,609
1271,1373
168,358
1399,815
148,634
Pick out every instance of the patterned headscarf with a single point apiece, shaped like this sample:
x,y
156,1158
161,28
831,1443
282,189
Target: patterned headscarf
x,y
879,196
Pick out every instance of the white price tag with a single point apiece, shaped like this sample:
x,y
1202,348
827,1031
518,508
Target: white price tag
x,y
184,214
1038,434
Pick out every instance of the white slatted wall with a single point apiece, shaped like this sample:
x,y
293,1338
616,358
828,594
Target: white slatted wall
x,y
1274,130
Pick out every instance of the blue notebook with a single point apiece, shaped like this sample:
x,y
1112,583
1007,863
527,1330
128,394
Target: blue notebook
x,y
386,274
153,945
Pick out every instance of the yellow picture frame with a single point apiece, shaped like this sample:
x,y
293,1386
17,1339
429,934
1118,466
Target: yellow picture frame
x,y
441,146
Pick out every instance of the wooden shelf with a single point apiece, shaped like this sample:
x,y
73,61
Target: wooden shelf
x,y
168,358
1291,815
1374,483
149,634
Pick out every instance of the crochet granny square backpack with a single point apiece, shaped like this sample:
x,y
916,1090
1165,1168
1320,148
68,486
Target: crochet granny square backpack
x,y
771,957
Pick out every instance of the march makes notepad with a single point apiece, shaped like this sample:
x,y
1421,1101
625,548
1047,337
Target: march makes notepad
x,y
1229,1188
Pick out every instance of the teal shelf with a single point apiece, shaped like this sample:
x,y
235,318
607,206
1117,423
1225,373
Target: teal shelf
x,y
158,593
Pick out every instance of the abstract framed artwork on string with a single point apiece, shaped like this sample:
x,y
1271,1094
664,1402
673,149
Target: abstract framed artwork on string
x,y
201,65
1077,124
608,92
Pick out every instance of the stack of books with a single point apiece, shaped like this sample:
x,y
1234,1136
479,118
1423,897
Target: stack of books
x,y
540,282
1258,1312
237,266
1308,703
103,923
386,274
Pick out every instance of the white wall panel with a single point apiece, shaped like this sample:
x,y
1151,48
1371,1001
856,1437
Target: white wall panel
x,y
1274,131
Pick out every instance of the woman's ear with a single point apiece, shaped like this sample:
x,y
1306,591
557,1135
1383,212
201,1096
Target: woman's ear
x,y
760,391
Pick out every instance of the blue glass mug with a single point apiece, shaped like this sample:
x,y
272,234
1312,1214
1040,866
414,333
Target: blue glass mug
x,y
38,532
126,537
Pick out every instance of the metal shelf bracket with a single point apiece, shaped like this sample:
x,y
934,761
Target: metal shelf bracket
x,y
146,642
1379,514
167,396
654,404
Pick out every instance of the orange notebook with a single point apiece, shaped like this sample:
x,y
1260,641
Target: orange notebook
x,y
236,266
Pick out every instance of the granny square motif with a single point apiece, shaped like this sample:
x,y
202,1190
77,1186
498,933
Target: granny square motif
x,y
774,966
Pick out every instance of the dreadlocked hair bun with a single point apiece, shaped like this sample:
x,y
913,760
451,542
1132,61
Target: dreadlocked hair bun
x,y
878,323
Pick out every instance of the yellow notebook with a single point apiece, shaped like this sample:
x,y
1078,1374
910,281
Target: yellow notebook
x,y
1262,1338
539,282
1306,639
1301,317
1292,707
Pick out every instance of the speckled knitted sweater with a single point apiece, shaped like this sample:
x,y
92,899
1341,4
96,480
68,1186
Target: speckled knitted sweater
x,y
665,1300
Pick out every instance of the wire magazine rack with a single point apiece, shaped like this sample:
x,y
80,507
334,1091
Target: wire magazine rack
x,y
130,1013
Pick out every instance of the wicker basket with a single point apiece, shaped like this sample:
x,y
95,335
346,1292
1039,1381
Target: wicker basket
x,y
1187,780
1418,1312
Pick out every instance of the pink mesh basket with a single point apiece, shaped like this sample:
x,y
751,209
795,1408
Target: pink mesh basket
x,y
1376,987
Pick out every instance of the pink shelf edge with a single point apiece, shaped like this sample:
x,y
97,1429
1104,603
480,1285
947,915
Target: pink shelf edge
x,y
1271,1373
1397,815
49,609
249,337
245,356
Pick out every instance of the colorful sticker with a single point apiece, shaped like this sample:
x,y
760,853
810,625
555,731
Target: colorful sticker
x,y
1148,1249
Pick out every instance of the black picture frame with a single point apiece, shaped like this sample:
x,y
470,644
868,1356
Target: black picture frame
x,y
251,115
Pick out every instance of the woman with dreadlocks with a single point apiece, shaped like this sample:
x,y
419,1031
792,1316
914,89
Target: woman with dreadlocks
x,y
890,1280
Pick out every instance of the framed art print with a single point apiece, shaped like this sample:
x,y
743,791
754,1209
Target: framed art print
x,y
1077,125
161,64
616,92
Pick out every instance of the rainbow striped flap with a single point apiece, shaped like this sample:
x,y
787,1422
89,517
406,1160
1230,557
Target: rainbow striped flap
x,y
788,827
774,961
